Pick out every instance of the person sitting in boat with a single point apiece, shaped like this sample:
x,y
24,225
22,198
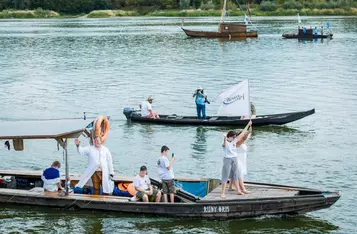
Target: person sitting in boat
x,y
143,187
146,109
322,30
166,173
253,112
100,167
304,30
200,100
51,178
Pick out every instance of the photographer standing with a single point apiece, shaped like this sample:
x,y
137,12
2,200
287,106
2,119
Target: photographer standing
x,y
200,99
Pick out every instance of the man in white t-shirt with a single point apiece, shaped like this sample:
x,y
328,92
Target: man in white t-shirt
x,y
143,187
166,173
146,109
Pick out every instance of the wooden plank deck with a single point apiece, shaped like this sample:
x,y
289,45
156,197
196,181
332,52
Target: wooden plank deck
x,y
39,192
256,192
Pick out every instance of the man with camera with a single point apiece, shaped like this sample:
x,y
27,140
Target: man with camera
x,y
201,100
166,173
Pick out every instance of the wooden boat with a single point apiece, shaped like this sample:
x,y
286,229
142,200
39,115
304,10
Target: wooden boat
x,y
263,199
203,201
226,30
309,35
260,120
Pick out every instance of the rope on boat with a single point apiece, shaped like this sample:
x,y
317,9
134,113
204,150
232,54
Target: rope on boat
x,y
71,204
87,204
11,197
240,7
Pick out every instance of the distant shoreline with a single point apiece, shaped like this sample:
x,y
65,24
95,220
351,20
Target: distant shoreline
x,y
39,13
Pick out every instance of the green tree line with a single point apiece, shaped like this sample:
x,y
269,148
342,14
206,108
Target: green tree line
x,y
85,6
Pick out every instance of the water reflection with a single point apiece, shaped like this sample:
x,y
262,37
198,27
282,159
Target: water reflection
x,y
261,130
47,219
199,145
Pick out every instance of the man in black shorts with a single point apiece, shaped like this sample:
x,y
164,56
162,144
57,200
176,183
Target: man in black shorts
x,y
166,173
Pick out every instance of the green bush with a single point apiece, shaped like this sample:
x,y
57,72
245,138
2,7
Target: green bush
x,y
207,6
268,6
292,4
184,4
98,14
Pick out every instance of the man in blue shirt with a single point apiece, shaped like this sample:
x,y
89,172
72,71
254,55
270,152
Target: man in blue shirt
x,y
316,31
51,178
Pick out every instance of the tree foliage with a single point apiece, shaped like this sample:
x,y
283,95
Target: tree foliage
x,y
85,6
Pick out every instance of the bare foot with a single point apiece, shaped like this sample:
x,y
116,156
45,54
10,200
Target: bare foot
x,y
223,196
246,191
230,189
240,193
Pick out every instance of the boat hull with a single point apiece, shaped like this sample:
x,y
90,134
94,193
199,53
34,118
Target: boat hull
x,y
264,199
208,210
260,120
305,37
209,34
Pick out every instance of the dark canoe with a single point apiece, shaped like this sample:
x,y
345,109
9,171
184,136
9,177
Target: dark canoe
x,y
260,120
263,199
308,37
211,34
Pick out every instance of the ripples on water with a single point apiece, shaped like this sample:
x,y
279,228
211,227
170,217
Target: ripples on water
x,y
62,67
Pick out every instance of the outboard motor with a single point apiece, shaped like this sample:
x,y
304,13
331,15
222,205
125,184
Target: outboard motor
x,y
127,112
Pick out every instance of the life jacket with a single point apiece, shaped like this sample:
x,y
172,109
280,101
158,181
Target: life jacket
x,y
123,186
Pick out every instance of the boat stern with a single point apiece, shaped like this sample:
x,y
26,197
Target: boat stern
x,y
127,111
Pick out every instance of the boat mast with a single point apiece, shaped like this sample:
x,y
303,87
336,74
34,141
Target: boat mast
x,y
223,11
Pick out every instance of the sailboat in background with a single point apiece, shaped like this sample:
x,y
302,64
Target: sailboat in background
x,y
228,30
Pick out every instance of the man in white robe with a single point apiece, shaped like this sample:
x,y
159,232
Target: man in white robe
x,y
100,166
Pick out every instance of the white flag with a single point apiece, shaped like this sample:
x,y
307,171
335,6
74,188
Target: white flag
x,y
299,20
235,101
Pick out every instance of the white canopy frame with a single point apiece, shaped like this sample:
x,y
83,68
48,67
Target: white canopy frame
x,y
61,130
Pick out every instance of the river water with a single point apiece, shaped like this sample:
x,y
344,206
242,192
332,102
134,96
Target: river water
x,y
54,68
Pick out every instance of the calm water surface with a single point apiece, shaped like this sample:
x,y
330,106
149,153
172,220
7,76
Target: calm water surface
x,y
61,67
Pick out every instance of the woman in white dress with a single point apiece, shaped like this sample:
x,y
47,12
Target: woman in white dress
x,y
242,157
242,162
